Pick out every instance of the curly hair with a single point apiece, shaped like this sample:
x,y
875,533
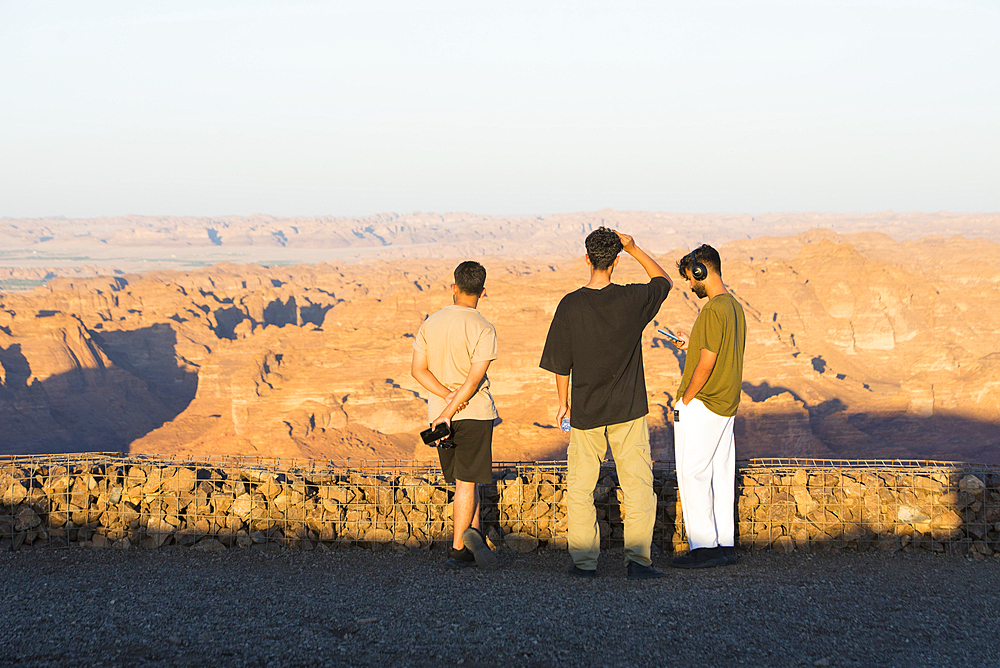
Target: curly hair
x,y
470,277
603,246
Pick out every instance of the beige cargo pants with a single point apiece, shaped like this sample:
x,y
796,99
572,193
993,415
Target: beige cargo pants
x,y
629,443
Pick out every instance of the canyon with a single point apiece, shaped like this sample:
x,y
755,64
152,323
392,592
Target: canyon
x,y
862,343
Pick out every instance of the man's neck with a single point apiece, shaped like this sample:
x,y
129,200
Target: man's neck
x,y
598,279
468,301
716,288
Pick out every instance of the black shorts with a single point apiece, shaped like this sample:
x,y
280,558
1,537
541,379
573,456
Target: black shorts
x,y
471,460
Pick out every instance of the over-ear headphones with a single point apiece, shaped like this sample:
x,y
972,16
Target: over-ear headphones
x,y
699,271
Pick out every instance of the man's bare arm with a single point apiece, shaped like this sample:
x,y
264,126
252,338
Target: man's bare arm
x,y
423,375
562,386
650,265
702,372
462,395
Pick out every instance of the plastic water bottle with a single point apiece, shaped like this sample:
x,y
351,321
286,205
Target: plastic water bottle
x,y
564,425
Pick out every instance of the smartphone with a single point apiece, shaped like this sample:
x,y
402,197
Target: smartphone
x,y
439,432
667,333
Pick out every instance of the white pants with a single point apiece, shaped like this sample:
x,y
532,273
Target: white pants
x,y
706,474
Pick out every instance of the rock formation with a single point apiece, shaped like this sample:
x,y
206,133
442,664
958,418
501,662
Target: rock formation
x,y
37,247
859,346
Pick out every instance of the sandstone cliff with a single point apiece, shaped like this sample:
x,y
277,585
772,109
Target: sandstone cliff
x,y
859,346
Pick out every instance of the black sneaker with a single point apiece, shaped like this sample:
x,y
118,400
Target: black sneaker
x,y
637,571
730,554
576,571
481,552
702,557
459,559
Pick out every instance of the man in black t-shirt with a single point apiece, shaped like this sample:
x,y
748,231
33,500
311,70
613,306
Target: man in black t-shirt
x,y
596,334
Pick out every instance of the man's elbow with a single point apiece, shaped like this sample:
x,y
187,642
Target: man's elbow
x,y
705,366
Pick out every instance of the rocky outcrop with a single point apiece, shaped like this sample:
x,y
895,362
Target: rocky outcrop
x,y
859,347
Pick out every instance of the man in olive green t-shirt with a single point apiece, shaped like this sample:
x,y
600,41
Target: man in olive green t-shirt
x,y
706,406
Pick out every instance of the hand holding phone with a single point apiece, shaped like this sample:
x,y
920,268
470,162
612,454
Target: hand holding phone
x,y
670,335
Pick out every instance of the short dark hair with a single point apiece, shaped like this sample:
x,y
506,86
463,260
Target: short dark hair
x,y
705,254
603,246
470,277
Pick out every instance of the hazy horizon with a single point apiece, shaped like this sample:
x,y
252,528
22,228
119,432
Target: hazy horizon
x,y
499,215
305,109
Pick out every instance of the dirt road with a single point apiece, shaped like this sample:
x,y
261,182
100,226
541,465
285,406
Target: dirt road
x,y
180,607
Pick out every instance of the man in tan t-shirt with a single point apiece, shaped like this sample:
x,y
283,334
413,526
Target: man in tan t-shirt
x,y
451,353
705,410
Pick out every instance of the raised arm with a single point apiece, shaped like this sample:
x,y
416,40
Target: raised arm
x,y
651,266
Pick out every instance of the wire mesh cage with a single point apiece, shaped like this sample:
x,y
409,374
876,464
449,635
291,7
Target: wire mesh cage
x,y
219,502
878,504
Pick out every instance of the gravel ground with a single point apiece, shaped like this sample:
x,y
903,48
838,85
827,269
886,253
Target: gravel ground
x,y
181,607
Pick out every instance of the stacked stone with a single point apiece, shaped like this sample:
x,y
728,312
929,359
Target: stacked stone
x,y
527,509
125,503
380,510
937,509
132,504
531,509
146,504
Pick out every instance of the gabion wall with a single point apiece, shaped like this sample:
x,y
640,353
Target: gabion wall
x,y
786,505
217,503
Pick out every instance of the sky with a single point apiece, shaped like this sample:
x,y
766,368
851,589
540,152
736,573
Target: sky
x,y
354,108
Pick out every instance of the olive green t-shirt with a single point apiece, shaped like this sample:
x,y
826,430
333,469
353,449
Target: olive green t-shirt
x,y
721,327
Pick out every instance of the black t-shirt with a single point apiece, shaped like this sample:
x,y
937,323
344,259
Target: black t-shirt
x,y
597,334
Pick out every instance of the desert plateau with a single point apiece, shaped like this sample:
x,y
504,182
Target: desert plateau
x,y
869,337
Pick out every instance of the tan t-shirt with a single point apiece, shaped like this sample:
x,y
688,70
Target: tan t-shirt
x,y
453,339
722,328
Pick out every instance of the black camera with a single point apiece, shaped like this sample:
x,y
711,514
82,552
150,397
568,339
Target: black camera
x,y
438,436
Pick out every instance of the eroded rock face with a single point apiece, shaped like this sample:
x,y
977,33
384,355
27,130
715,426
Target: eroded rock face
x,y
57,377
858,347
